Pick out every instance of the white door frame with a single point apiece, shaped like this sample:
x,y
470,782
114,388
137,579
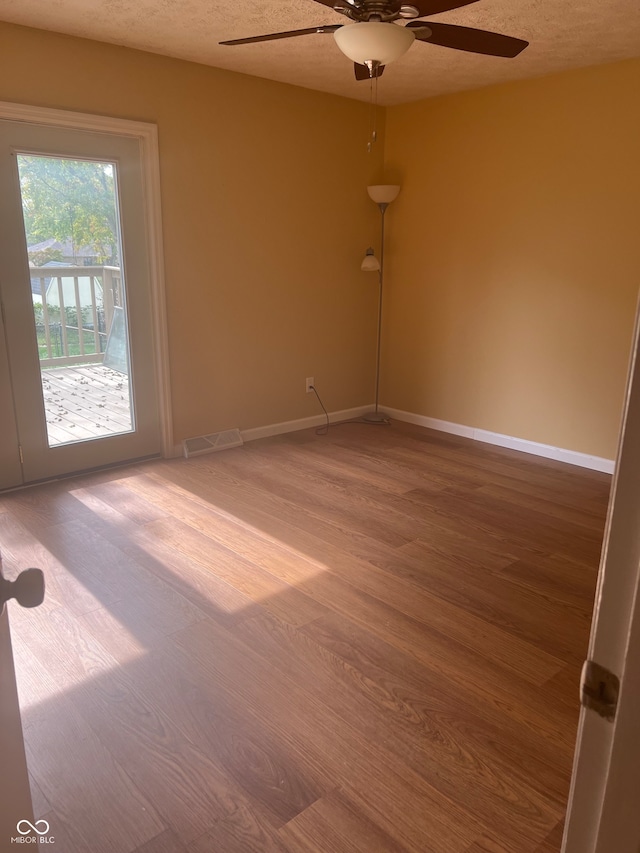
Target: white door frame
x,y
147,136
602,811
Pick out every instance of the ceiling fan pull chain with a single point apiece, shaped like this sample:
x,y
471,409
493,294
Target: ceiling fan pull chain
x,y
373,113
370,142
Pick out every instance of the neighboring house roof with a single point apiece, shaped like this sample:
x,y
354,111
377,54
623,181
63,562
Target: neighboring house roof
x,y
65,247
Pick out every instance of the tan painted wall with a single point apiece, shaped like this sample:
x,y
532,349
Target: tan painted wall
x,y
514,257
266,218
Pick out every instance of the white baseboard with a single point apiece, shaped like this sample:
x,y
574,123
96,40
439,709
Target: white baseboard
x,y
572,457
302,423
584,460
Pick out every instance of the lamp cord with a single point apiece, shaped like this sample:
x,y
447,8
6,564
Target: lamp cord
x,y
322,430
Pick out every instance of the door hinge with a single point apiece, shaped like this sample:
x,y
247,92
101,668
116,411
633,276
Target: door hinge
x,y
21,454
599,689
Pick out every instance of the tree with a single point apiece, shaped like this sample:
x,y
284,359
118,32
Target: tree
x,y
70,200
39,259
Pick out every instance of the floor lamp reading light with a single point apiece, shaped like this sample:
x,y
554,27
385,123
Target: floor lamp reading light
x,y
382,195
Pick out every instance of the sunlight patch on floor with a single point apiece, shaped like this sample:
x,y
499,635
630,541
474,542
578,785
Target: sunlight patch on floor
x,y
71,648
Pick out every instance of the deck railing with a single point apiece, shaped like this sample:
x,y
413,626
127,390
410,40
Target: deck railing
x,y
74,317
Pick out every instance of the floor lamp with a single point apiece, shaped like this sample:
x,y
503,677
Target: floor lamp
x,y
382,195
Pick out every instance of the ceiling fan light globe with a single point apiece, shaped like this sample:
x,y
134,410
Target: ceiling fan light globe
x,y
373,41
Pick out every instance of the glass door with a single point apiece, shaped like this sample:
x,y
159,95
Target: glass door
x,y
79,295
77,362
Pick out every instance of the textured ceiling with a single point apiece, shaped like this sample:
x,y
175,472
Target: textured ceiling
x,y
563,34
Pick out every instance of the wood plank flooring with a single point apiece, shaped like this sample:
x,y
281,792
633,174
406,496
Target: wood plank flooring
x,y
364,642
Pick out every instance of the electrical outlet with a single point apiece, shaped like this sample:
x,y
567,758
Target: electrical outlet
x,y
309,384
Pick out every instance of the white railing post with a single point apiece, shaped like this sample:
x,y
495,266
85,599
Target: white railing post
x,y
94,314
79,317
45,317
107,297
63,317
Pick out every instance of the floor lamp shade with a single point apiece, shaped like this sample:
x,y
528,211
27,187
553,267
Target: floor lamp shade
x,y
370,263
383,193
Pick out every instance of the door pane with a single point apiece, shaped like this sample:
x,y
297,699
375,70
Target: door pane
x,y
72,228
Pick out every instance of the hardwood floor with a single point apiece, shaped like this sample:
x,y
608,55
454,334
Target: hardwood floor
x,y
364,641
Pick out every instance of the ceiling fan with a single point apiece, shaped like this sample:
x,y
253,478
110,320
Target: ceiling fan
x,y
372,39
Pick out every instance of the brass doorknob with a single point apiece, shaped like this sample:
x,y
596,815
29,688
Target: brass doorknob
x,y
27,588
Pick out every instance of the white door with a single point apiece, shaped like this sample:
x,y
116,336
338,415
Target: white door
x,y
15,796
604,813
114,142
77,376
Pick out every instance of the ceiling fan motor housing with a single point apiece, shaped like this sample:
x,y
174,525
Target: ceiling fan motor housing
x,y
375,10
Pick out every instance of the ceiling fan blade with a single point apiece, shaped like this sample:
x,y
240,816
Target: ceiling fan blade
x,y
332,3
324,28
467,38
434,7
362,72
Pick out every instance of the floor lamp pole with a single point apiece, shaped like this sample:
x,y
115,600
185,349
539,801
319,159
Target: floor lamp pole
x,y
376,416
382,195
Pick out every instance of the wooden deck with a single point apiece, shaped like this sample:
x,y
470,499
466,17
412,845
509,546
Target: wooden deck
x,y
84,402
